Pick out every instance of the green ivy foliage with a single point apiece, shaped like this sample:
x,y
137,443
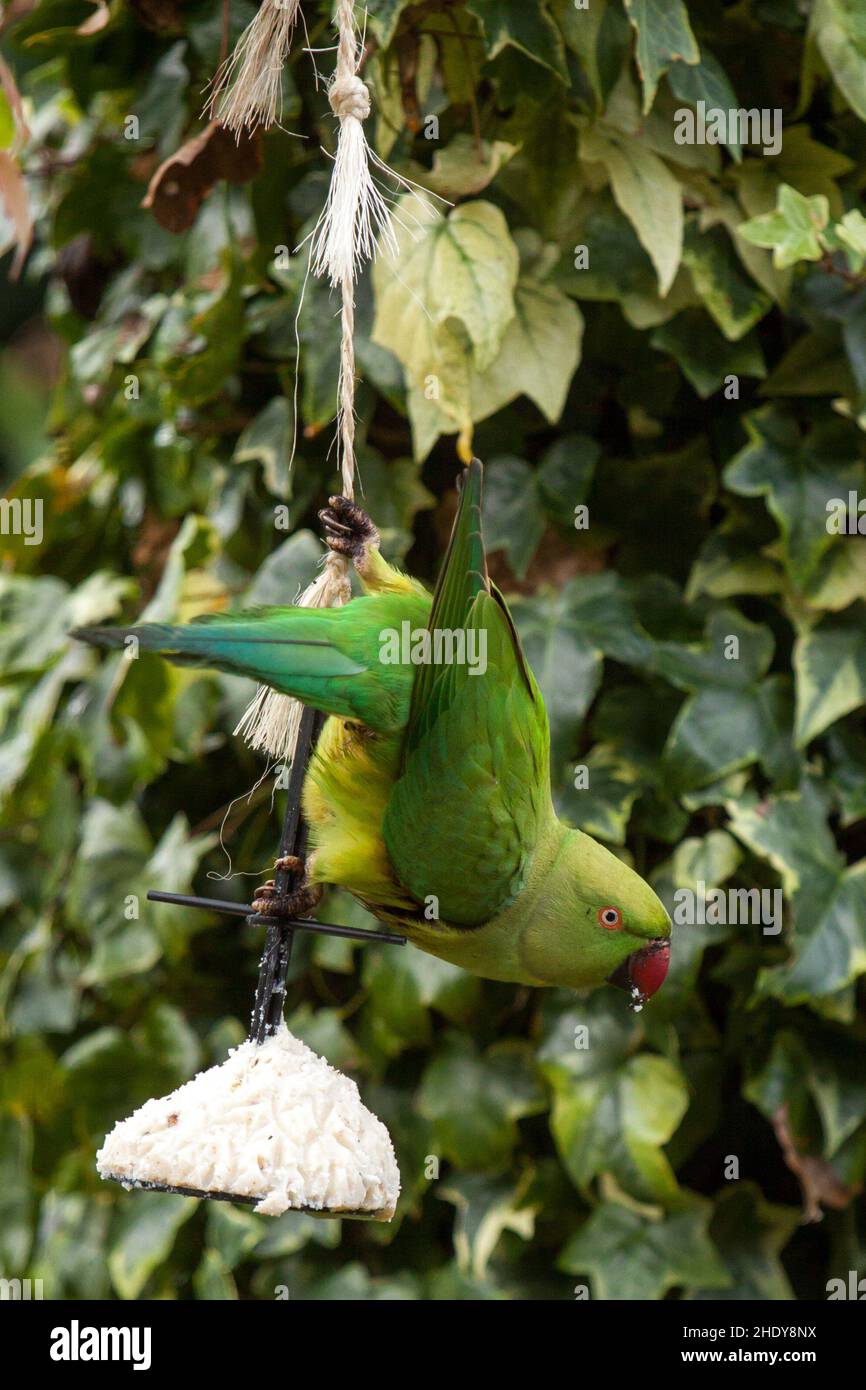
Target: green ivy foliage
x,y
670,335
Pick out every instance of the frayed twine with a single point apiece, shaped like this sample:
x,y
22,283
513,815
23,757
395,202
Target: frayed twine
x,y
247,89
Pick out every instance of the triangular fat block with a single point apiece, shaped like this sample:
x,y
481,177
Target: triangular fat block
x,y
276,1123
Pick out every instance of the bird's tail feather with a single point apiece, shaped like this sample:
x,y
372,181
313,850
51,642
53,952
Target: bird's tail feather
x,y
288,649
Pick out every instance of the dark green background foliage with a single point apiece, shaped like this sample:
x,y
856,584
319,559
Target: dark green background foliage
x,y
707,507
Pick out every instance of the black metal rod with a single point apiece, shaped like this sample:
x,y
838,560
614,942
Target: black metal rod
x,y
302,923
276,957
294,837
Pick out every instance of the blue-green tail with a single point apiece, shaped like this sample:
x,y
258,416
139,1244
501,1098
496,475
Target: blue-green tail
x,y
329,658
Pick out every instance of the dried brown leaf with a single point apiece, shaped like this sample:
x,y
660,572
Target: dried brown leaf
x,y
180,184
819,1184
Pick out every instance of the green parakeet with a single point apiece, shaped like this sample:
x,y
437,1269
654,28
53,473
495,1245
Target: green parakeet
x,y
428,796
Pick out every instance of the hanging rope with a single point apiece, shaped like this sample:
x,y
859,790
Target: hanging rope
x,y
356,217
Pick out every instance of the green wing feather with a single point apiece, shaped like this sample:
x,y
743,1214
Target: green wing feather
x,y
473,796
327,657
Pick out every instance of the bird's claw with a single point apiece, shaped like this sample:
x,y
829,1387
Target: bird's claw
x,y
348,529
298,902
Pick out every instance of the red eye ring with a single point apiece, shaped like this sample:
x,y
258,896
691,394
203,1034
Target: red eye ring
x,y
610,918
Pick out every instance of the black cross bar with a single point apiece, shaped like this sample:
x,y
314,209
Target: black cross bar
x,y
274,966
259,919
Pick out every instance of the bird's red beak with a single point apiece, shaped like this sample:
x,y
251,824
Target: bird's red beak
x,y
643,973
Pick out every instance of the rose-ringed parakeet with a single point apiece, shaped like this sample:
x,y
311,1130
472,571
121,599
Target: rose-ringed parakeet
x,y
428,796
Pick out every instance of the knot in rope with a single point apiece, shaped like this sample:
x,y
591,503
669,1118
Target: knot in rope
x,y
349,96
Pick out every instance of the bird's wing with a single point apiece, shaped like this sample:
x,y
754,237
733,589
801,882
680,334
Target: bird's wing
x,y
473,792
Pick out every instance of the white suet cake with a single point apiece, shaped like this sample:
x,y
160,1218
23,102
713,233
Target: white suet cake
x,y
275,1122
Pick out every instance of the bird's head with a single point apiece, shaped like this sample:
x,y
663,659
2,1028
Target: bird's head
x,y
610,927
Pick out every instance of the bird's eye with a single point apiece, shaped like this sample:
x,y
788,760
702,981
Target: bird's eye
x,y
610,917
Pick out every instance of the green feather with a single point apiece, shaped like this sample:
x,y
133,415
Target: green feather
x,y
473,799
327,657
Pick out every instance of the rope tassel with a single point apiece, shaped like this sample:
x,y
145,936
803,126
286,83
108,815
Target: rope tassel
x,y
247,89
356,213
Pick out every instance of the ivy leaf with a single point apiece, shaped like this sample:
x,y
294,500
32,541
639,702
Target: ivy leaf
x,y
618,265
486,1209
664,36
798,476
634,1257
385,17
730,561
705,356
602,808
566,474
198,343
539,355
737,714
836,27
565,636
822,1087
542,178
267,440
285,572
830,669
599,35
713,859
149,1224
114,868
850,230
847,747
649,195
465,166
518,499
404,990
733,300
829,900
733,655
814,365
612,1112
71,1251
513,518
749,1234
213,1280
474,1100
527,27
792,232
705,81
444,305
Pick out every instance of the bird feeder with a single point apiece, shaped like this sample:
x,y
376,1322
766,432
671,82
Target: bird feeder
x,y
275,1126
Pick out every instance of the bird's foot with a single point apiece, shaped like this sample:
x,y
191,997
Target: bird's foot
x,y
298,901
348,529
